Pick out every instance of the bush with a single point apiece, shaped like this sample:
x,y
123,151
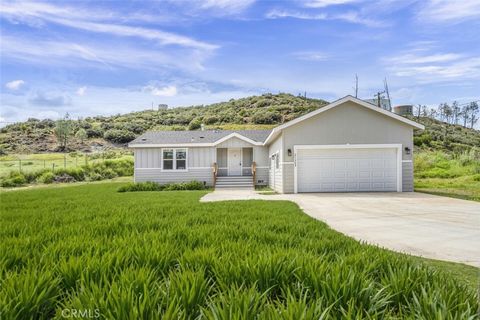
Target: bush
x,y
15,179
47,177
119,136
77,173
94,176
64,178
153,186
94,133
195,124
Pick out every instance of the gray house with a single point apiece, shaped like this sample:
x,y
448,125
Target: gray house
x,y
346,146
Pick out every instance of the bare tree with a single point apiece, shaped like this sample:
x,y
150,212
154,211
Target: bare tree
x,y
455,112
465,114
474,111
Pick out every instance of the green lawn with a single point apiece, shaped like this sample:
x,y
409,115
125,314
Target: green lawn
x,y
144,255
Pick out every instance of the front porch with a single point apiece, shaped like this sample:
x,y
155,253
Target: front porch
x,y
234,162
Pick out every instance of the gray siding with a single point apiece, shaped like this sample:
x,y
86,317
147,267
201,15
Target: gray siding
x,y
262,174
276,175
288,178
347,124
159,176
234,143
260,156
407,176
197,157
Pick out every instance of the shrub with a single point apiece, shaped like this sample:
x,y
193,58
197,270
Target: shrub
x,y
119,136
140,186
94,176
15,179
64,178
94,133
46,177
153,186
77,173
195,124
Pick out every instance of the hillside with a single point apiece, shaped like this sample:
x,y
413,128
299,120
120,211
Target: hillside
x,y
101,133
257,112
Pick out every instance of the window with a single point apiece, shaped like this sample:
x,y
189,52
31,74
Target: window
x,y
174,159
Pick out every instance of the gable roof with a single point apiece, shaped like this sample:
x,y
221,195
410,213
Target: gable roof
x,y
336,103
197,138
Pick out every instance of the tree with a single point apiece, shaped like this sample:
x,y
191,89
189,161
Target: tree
x,y
63,131
81,134
465,114
474,110
455,112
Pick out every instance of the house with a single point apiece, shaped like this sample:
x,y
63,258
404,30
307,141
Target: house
x,y
346,146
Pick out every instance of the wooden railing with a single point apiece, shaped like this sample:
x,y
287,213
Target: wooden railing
x,y
254,171
215,172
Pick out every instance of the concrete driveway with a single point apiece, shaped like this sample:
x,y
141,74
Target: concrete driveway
x,y
415,223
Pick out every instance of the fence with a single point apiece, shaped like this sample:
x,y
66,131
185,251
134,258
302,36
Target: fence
x,y
52,162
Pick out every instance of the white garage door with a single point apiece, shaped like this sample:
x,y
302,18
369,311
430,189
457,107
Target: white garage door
x,y
346,170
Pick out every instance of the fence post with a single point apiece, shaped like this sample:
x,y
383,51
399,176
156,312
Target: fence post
x,y
20,164
44,164
64,161
76,161
53,167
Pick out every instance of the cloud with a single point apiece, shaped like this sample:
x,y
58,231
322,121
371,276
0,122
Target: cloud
x,y
310,55
88,21
167,91
81,91
351,17
50,100
229,6
429,67
15,84
326,3
449,11
65,53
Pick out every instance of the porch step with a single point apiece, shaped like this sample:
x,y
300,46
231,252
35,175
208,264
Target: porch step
x,y
234,182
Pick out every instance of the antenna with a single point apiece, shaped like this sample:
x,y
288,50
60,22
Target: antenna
x,y
388,94
356,86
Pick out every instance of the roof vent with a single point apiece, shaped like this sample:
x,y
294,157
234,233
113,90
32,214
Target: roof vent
x,y
202,137
144,139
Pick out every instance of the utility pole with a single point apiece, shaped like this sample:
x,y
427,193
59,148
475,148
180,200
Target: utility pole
x,y
379,96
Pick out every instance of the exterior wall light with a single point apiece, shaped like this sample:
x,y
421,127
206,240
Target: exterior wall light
x,y
289,152
407,150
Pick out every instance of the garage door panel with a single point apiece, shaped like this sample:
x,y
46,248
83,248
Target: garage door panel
x,y
346,170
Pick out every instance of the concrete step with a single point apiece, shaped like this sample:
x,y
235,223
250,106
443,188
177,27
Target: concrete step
x,y
234,187
235,181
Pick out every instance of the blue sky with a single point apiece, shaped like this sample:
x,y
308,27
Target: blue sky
x,y
94,57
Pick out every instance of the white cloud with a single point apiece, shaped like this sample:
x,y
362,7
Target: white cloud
x,y
15,84
449,11
81,91
85,20
429,67
72,54
310,55
326,3
167,91
351,17
230,6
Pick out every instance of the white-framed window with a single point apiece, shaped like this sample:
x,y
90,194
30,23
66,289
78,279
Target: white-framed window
x,y
174,159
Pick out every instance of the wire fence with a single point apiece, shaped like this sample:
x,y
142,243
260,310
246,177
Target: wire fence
x,y
26,164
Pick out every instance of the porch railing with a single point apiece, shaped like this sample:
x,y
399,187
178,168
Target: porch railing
x,y
214,172
254,171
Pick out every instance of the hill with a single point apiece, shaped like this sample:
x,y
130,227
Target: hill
x,y
256,112
263,111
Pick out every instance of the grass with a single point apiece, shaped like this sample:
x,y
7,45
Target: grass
x,y
40,161
142,255
453,175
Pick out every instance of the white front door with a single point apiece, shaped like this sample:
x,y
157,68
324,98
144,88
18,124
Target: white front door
x,y
235,162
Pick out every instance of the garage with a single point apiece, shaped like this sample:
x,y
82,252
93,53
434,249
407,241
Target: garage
x,y
348,168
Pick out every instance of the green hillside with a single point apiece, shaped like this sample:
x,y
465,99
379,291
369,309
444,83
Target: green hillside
x,y
257,112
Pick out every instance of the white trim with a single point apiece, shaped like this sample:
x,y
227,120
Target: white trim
x,y
351,146
191,168
170,145
290,162
174,160
407,161
239,136
337,103
263,167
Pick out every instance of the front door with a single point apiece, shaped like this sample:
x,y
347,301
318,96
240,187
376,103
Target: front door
x,y
235,162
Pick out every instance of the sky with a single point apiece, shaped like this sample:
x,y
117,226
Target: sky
x,y
108,57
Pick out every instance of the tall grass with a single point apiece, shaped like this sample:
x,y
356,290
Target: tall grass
x,y
143,255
